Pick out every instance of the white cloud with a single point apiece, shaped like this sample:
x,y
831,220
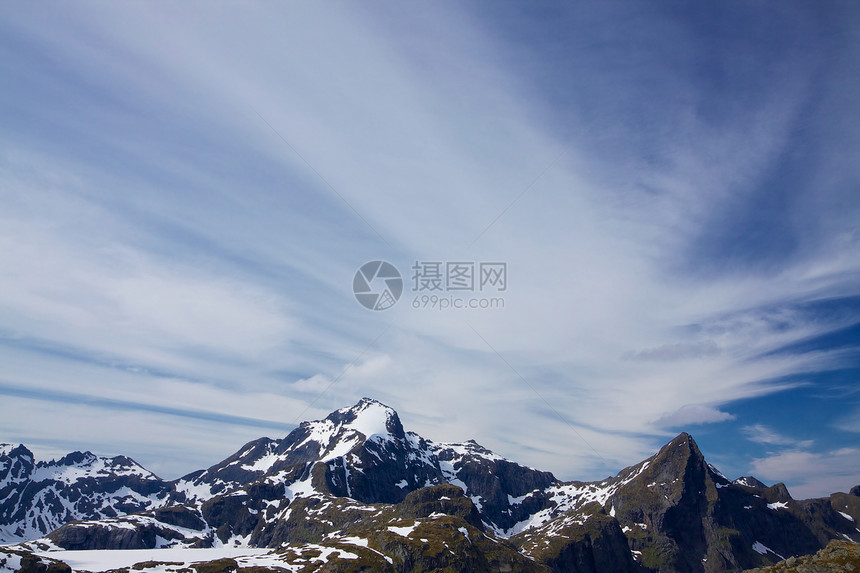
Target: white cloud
x,y
80,286
677,351
762,434
692,414
849,423
811,474
806,473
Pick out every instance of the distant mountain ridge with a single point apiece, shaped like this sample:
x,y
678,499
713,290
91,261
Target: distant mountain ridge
x,y
38,497
359,475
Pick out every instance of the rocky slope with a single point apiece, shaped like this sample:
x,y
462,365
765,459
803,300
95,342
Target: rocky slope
x,y
358,479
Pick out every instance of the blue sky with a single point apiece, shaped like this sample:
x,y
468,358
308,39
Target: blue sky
x,y
187,191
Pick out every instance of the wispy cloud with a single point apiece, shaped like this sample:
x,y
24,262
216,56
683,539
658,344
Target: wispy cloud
x,y
761,434
811,473
678,351
849,422
692,414
123,405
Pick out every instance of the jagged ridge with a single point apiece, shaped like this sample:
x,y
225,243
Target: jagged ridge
x,y
671,512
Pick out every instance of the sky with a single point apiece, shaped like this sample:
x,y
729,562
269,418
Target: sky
x,y
187,191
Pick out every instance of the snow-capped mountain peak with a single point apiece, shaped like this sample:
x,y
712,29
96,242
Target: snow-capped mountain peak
x,y
344,429
355,444
370,418
749,481
16,464
6,449
81,465
363,447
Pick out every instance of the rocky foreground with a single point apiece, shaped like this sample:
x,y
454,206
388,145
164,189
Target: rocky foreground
x,y
837,556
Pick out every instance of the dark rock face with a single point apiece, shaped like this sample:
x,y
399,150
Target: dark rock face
x,y
683,516
847,506
447,499
180,516
673,510
593,545
237,470
381,471
77,537
231,515
492,481
162,527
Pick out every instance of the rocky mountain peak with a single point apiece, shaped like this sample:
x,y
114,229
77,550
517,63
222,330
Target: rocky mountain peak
x,y
353,443
683,440
16,463
369,417
366,423
77,459
12,450
680,458
750,481
469,447
11,453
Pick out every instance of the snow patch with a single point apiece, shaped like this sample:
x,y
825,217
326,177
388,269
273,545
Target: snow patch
x,y
263,464
763,549
403,531
718,472
465,532
106,559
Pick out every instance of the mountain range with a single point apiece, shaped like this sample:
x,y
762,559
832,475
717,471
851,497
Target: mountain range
x,y
356,491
